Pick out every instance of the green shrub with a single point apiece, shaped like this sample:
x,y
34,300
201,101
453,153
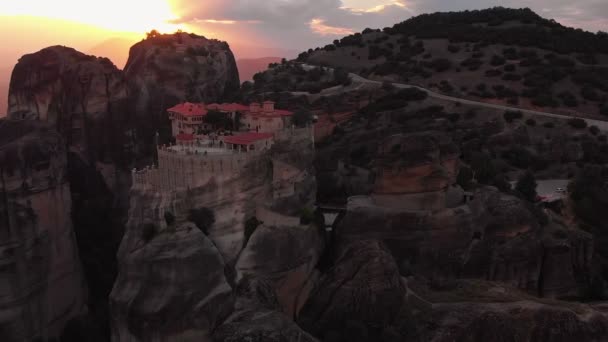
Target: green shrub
x,y
577,123
512,77
465,178
510,115
526,186
306,216
453,48
589,93
493,73
203,219
497,60
568,99
510,67
453,117
169,218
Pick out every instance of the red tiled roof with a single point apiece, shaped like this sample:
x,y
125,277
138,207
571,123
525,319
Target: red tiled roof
x,y
228,107
247,138
185,137
189,109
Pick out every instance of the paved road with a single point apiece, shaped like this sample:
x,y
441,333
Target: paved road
x,y
602,125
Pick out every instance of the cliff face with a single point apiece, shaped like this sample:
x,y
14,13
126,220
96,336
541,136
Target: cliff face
x,y
166,69
255,236
58,82
364,285
172,287
495,237
42,281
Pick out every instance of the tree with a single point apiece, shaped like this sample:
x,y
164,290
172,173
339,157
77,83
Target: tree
x,y
169,218
465,178
203,219
152,34
526,186
301,118
577,123
218,119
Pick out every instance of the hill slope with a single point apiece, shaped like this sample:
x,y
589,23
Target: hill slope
x,y
498,55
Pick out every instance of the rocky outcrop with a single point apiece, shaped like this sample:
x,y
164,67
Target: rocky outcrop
x,y
58,82
496,237
519,321
169,68
42,280
364,285
258,317
235,248
414,171
285,257
171,287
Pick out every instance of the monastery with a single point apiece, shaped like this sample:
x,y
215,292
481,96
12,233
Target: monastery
x,y
202,152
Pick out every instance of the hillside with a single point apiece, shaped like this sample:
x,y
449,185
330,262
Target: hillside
x,y
496,55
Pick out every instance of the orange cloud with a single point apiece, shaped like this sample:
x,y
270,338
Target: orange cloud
x,y
318,26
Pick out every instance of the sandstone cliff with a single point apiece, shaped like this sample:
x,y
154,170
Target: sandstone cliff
x,y
496,237
166,69
171,287
42,281
256,236
58,82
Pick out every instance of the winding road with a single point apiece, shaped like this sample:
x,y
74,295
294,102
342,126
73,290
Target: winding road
x,y
602,125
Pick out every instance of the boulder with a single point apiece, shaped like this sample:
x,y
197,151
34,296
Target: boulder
x,y
285,257
364,285
258,317
170,68
170,286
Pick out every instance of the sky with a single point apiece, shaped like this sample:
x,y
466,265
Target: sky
x,y
29,25
253,28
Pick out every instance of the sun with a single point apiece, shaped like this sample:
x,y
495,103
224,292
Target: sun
x,y
134,16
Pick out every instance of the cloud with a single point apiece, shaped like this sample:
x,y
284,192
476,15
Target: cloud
x,y
300,24
318,26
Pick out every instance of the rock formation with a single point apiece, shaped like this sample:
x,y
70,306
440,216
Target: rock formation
x,y
166,69
256,234
414,171
285,257
58,83
170,287
364,285
41,279
257,316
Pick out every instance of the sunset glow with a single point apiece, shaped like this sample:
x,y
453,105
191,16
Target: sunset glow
x,y
116,15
